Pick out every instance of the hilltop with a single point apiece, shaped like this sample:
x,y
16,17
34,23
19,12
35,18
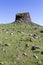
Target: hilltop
x,y
21,42
24,18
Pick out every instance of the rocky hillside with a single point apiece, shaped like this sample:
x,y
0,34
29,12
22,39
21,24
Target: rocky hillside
x,y
21,42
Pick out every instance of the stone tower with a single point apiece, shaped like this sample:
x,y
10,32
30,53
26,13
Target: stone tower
x,y
23,18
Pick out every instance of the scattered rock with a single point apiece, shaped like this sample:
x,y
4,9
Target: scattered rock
x,y
42,52
35,56
35,47
2,44
31,39
35,36
6,44
31,35
11,33
1,63
25,54
39,62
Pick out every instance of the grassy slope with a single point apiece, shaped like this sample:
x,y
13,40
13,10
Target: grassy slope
x,y
12,54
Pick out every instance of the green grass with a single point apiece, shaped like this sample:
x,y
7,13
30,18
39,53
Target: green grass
x,y
13,53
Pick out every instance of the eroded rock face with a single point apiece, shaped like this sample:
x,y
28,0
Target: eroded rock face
x,y
23,18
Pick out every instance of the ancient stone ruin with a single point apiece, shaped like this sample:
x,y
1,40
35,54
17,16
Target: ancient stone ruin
x,y
23,18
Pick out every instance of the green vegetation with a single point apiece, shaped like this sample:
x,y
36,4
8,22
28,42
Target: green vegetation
x,y
13,40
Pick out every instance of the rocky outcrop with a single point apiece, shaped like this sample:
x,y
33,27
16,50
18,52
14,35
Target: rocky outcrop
x,y
23,18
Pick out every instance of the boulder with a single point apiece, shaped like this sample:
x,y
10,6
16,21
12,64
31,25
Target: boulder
x,y
35,56
39,62
25,54
35,36
31,39
35,47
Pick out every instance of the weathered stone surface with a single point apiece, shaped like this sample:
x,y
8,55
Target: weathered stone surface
x,y
23,18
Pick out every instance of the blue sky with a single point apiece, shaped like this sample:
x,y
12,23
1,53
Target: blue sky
x,y
9,8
